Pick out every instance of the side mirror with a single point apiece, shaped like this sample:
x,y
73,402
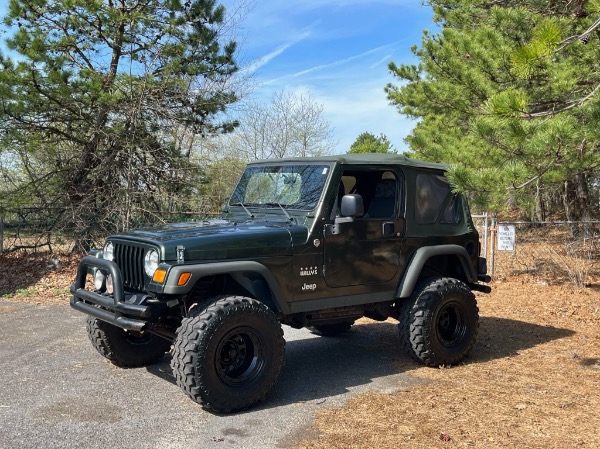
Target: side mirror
x,y
352,206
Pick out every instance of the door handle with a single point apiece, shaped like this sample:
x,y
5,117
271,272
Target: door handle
x,y
388,228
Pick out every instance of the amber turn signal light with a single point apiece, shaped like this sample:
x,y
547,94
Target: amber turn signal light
x,y
159,276
183,278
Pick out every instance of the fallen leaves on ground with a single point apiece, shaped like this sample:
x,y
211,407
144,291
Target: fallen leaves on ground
x,y
532,381
39,278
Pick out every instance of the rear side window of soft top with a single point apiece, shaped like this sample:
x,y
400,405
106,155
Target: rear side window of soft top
x,y
291,186
435,201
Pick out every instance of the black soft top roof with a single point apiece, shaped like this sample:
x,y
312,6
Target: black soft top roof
x,y
363,159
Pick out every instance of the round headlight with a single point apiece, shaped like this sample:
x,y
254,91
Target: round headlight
x,y
151,262
99,280
110,287
108,252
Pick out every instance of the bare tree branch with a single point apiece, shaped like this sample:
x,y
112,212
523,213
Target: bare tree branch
x,y
577,37
569,105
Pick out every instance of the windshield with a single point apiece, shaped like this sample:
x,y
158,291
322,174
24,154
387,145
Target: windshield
x,y
287,186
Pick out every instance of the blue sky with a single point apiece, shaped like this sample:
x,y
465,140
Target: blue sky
x,y
336,50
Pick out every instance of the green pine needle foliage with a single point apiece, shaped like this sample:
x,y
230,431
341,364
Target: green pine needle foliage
x,y
508,94
101,107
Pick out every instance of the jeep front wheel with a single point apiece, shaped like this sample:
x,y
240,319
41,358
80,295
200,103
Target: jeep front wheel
x,y
229,356
439,322
123,348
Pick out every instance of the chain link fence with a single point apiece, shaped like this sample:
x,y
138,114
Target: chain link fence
x,y
26,230
549,252
553,252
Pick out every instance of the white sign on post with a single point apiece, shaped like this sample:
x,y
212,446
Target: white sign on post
x,y
506,237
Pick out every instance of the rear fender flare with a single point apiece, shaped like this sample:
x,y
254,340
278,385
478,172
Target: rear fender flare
x,y
420,258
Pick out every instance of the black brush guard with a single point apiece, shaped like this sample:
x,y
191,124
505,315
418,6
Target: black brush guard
x,y
112,309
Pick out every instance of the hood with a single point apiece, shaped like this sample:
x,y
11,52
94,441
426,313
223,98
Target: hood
x,y
219,239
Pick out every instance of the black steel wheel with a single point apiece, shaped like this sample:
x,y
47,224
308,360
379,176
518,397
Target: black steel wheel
x,y
229,356
123,348
439,322
240,356
451,326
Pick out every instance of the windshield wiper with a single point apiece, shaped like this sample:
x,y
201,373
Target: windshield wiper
x,y
289,217
250,214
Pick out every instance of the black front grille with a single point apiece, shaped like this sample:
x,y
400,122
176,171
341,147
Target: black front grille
x,y
130,259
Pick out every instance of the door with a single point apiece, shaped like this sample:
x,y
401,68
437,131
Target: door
x,y
367,249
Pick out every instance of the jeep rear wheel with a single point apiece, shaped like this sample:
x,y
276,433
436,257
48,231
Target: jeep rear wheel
x,y
331,330
229,356
123,348
439,323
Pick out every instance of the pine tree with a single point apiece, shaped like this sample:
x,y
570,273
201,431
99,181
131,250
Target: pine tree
x,y
369,143
508,92
94,107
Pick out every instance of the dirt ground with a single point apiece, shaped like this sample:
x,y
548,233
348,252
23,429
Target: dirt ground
x,y
532,381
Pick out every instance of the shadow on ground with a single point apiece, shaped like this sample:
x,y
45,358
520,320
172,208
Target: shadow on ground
x,y
318,368
501,337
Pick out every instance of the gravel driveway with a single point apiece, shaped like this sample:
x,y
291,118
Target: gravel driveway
x,y
58,392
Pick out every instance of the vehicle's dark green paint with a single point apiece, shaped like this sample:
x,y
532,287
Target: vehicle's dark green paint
x,y
219,240
300,259
364,252
282,240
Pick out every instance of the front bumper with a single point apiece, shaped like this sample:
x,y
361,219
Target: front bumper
x,y
120,309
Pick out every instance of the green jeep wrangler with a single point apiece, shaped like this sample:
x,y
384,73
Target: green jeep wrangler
x,y
306,242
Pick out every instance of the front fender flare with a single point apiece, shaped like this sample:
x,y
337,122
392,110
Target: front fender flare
x,y
201,270
419,259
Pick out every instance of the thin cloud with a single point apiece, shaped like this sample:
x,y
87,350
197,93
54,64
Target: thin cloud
x,y
350,86
276,6
383,60
264,60
331,64
353,111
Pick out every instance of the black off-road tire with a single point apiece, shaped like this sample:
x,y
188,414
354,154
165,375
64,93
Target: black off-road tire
x,y
331,330
439,322
123,348
229,356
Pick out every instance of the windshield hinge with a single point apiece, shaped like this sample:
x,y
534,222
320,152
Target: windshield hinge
x,y
180,254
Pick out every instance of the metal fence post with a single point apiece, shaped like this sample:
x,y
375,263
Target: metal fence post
x,y
1,234
485,234
492,245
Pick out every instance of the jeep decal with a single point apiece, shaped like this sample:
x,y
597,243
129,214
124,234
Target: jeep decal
x,y
309,271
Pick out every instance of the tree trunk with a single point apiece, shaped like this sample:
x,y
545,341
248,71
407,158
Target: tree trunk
x,y
540,210
568,198
582,196
576,202
1,234
79,187
580,182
